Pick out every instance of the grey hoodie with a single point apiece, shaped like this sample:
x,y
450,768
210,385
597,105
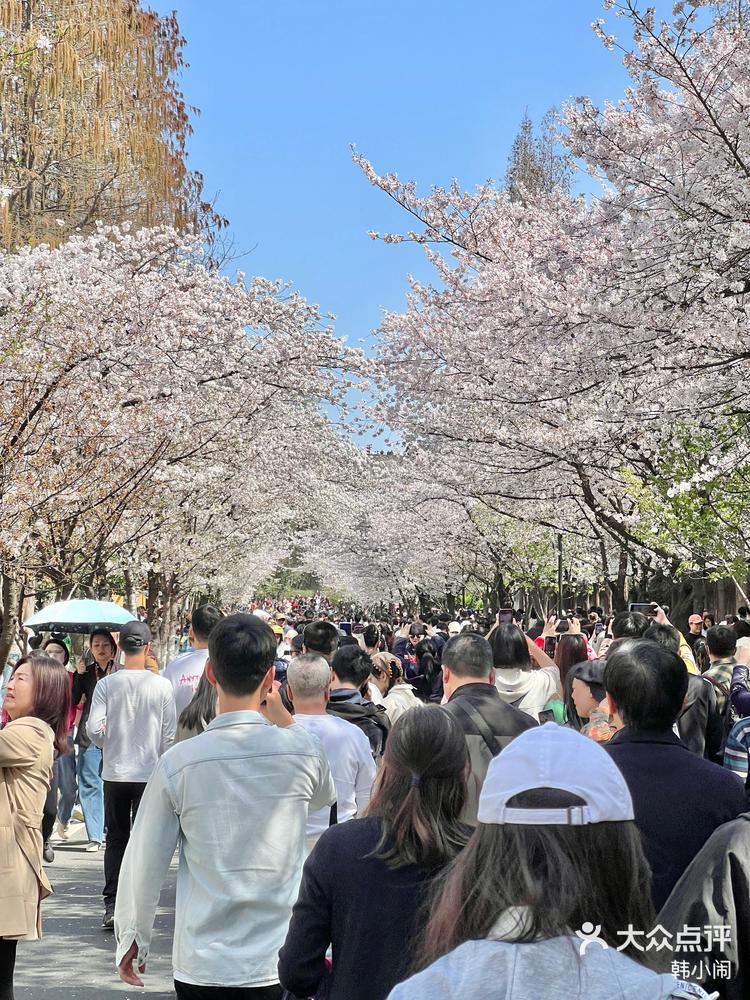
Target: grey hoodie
x,y
542,970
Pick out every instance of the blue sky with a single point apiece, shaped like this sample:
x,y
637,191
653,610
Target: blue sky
x,y
428,88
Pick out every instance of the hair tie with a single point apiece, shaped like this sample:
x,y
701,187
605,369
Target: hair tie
x,y
415,779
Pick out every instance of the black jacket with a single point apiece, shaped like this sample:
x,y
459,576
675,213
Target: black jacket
x,y
679,800
489,724
346,703
370,913
700,723
714,891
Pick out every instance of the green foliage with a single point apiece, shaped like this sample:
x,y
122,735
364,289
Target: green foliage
x,y
695,503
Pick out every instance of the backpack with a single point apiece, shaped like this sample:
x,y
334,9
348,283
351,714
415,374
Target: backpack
x,y
729,714
700,654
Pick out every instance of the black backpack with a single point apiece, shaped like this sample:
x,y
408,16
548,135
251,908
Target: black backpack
x,y
729,714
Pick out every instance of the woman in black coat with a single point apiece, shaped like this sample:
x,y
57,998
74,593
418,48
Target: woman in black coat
x,y
363,886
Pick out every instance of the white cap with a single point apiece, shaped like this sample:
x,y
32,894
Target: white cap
x,y
553,756
263,615
454,628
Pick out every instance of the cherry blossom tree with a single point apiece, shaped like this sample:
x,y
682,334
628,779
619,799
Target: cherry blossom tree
x,y
569,346
148,403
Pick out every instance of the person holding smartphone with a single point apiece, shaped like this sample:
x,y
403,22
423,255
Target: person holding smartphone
x,y
525,675
405,647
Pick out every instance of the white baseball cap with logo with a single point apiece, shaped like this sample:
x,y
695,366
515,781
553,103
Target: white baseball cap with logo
x,y
553,756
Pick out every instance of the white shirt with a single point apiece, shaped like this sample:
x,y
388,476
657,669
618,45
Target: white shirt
x,y
374,692
183,673
352,766
400,699
236,800
133,720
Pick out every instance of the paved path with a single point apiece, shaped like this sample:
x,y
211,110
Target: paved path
x,y
75,958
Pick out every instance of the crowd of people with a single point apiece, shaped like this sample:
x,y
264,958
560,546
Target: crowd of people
x,y
411,808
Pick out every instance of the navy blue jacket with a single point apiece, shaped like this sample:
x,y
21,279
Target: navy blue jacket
x,y
679,800
370,913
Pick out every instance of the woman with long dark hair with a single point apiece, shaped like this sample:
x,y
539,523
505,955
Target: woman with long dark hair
x,y
364,883
555,860
571,649
200,711
426,672
37,703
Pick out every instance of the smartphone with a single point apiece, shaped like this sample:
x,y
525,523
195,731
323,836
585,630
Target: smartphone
x,y
505,616
644,609
563,625
346,627
546,716
550,644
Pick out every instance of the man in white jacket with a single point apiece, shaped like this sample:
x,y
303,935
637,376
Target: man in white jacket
x,y
236,800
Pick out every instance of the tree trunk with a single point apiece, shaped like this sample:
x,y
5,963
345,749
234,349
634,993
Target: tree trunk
x,y
540,602
700,591
424,604
501,597
129,593
164,653
619,586
605,597
11,603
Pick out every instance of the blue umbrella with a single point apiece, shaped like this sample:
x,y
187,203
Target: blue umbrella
x,y
79,616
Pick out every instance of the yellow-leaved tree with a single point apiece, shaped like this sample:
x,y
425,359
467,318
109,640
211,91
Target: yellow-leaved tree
x,y
92,122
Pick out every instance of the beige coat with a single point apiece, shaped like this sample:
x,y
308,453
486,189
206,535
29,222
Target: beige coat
x,y
26,748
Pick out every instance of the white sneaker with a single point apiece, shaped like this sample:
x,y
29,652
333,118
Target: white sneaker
x,y
92,846
63,831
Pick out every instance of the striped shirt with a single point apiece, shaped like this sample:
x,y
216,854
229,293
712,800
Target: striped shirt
x,y
737,750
